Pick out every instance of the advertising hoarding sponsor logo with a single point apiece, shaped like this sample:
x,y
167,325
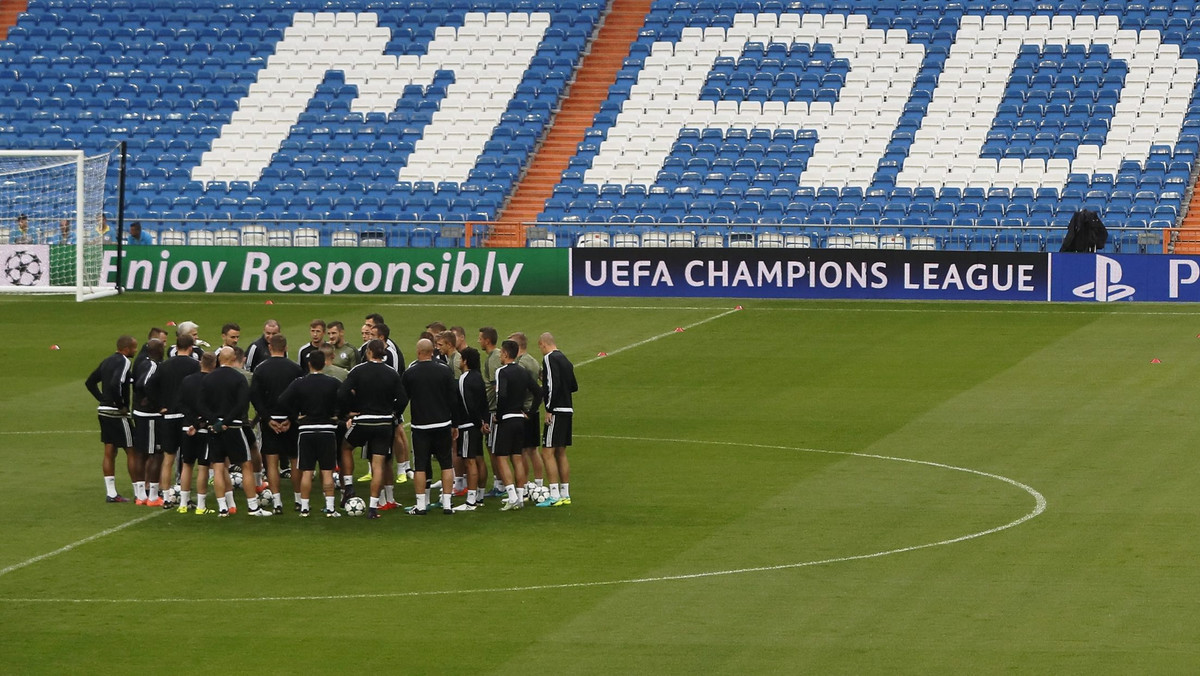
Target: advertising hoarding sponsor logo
x,y
809,273
500,272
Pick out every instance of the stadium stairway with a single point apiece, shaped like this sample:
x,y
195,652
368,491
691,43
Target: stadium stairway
x,y
595,76
1185,239
10,10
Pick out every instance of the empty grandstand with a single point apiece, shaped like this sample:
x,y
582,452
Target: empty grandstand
x,y
871,124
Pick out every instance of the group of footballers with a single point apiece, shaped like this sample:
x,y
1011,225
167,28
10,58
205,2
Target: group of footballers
x,y
182,416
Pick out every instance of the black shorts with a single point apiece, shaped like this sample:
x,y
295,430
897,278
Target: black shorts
x,y
510,434
147,432
470,442
316,446
171,435
558,431
375,439
116,430
533,432
194,449
277,444
430,444
229,446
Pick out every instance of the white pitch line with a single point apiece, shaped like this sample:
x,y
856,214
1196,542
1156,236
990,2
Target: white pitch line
x,y
66,548
1039,507
654,338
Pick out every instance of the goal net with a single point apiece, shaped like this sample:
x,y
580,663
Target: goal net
x,y
52,222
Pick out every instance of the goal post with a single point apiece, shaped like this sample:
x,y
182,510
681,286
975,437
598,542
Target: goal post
x,y
52,222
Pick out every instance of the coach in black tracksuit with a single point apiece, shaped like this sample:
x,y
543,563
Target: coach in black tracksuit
x,y
432,404
260,349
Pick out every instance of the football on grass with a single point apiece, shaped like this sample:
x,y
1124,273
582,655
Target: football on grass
x,y
356,507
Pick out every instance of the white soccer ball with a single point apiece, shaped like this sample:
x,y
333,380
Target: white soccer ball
x,y
237,479
266,498
540,494
356,507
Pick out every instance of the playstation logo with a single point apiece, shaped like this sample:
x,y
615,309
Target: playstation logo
x,y
1107,287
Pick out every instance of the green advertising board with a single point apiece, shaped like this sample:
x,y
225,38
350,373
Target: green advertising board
x,y
215,269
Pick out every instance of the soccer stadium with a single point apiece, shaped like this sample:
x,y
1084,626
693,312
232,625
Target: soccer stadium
x,y
882,315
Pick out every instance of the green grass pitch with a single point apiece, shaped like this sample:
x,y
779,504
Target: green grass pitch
x,y
743,503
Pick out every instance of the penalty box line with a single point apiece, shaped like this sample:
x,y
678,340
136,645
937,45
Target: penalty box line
x,y
658,337
66,548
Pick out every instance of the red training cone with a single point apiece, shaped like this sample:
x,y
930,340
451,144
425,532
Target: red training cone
x,y
678,329
1155,361
601,354
270,302
54,347
739,307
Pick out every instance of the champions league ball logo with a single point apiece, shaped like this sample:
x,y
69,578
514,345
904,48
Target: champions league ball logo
x,y
23,268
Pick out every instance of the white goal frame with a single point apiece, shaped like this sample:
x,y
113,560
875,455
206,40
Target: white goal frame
x,y
82,290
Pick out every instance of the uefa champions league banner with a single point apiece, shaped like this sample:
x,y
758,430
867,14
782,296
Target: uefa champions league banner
x,y
25,265
1109,278
325,270
810,273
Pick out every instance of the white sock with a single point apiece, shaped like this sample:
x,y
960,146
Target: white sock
x,y
374,504
470,496
496,485
221,504
522,494
296,497
389,494
201,498
139,490
422,501
153,492
427,500
512,493
347,480
303,504
446,501
229,499
183,498
110,486
564,490
539,482
329,503
278,501
252,503
554,492
405,466
258,479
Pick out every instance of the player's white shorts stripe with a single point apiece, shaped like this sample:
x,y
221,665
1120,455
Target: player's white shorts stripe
x,y
432,426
